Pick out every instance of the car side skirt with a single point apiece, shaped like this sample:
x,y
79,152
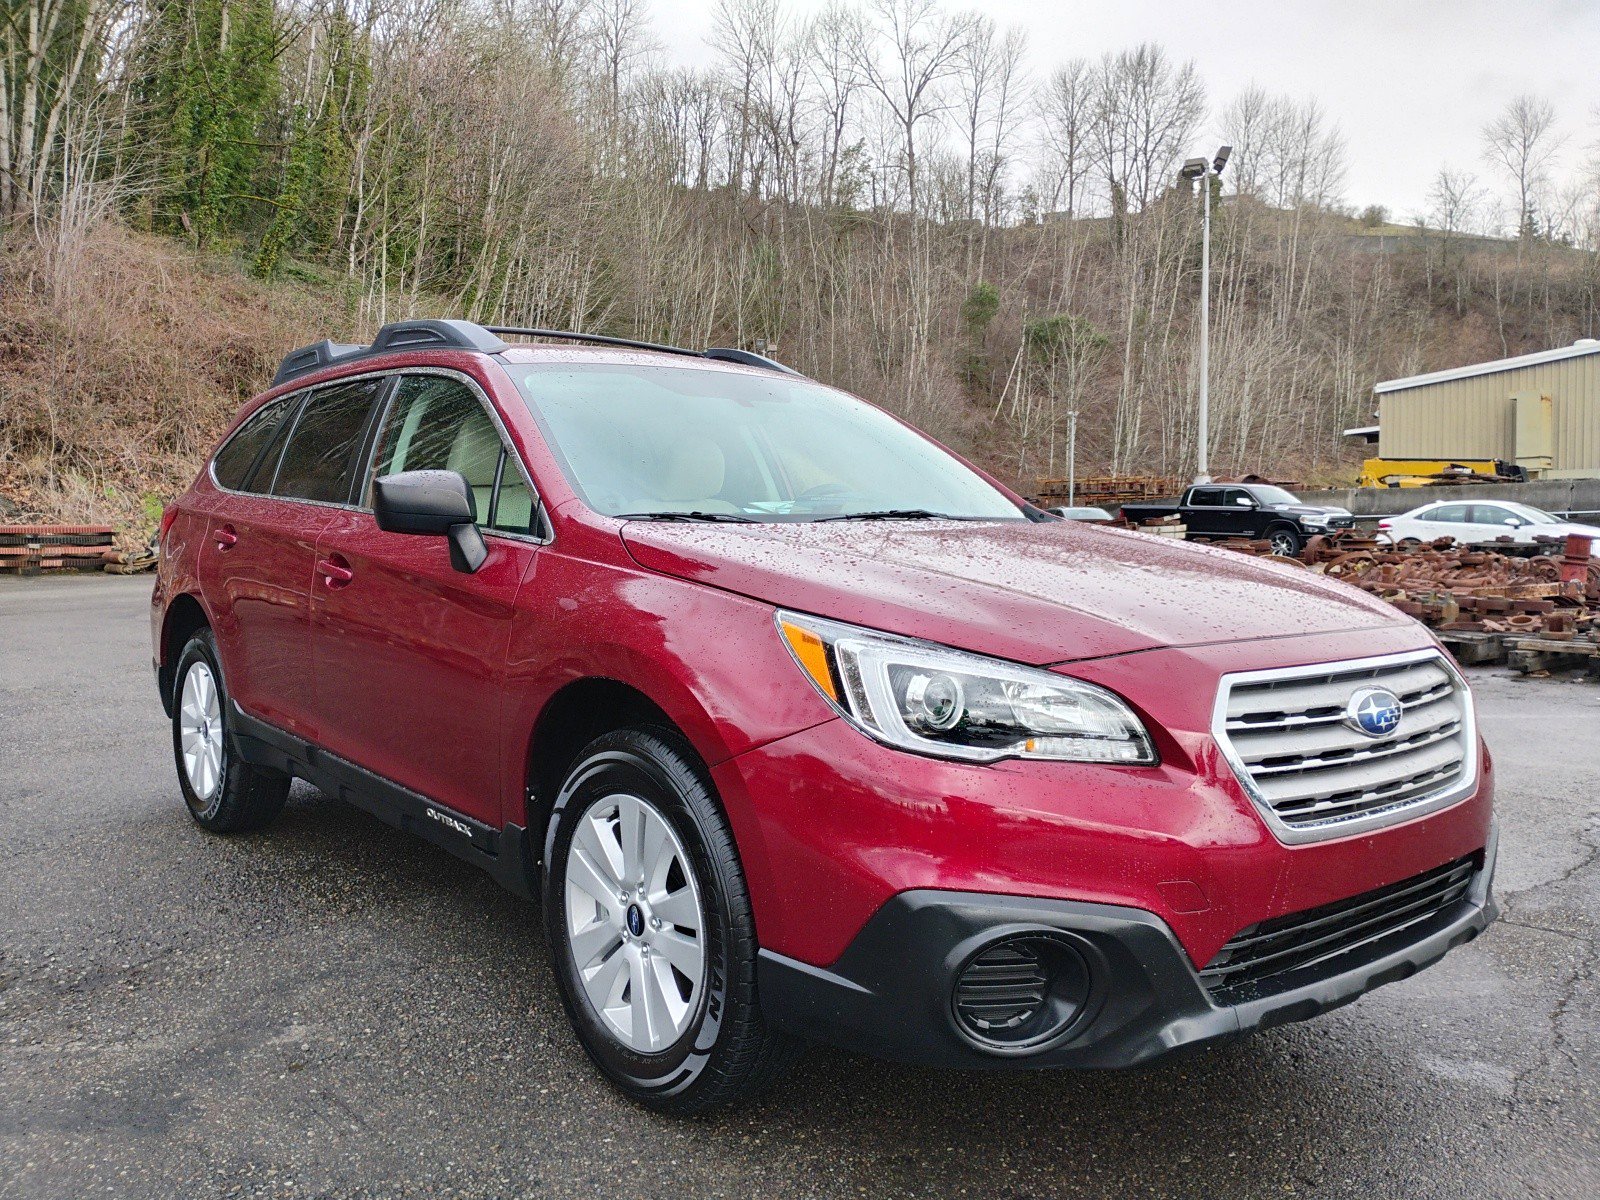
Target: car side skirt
x,y
502,853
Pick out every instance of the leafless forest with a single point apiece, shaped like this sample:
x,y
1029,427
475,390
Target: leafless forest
x,y
890,194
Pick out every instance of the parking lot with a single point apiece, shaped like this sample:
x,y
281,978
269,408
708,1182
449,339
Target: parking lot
x,y
330,1008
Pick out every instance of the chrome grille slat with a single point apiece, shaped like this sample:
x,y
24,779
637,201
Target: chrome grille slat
x,y
1298,694
1299,721
1355,778
1315,776
1425,738
1260,751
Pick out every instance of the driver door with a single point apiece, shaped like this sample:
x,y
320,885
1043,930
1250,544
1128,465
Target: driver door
x,y
410,653
1491,521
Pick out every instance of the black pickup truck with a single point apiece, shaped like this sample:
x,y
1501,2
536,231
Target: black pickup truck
x,y
1248,510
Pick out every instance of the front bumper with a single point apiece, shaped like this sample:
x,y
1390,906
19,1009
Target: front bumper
x,y
890,993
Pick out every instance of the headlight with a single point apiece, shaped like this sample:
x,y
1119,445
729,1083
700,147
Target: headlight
x,y
1315,519
932,700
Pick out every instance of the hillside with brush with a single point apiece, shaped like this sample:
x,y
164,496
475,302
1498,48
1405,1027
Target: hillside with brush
x,y
192,190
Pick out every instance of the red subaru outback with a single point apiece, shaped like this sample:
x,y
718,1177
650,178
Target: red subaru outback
x,y
801,727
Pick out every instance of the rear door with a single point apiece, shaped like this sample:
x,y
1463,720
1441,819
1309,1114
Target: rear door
x,y
1204,513
1453,520
410,653
255,567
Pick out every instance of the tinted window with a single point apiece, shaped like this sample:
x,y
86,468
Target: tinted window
x,y
239,453
438,424
1238,498
320,460
1205,497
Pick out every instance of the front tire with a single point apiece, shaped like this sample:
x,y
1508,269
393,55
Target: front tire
x,y
224,794
651,931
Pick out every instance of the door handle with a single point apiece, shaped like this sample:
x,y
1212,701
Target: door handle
x,y
226,537
333,574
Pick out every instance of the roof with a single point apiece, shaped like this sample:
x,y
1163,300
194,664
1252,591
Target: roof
x,y
1576,350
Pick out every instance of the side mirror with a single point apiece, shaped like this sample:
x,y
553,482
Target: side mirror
x,y
1245,502
432,502
1513,522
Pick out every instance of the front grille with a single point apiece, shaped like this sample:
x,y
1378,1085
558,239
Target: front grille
x,y
1287,952
1315,776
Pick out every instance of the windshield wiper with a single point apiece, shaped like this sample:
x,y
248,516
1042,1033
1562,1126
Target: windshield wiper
x,y
893,514
687,516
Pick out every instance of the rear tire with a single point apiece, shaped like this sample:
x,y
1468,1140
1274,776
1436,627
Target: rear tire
x,y
224,794
616,918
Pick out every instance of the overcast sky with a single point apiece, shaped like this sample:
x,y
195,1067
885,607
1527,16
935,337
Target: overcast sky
x,y
1410,82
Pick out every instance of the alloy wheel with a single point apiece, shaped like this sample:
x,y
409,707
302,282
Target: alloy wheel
x,y
634,923
200,730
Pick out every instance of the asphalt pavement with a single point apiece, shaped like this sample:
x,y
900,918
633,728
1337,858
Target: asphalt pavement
x,y
330,1008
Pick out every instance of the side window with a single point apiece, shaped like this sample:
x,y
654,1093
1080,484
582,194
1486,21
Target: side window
x,y
1454,514
236,460
1491,514
1234,495
319,461
438,424
1205,497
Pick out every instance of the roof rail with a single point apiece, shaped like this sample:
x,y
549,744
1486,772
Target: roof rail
x,y
392,338
749,358
599,339
467,335
722,353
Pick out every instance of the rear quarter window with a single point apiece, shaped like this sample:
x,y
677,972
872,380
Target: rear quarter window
x,y
235,462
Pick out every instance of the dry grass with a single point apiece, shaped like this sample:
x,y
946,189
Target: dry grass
x,y
122,359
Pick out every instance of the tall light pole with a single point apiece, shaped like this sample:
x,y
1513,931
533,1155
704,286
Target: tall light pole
x,y
1072,459
1199,168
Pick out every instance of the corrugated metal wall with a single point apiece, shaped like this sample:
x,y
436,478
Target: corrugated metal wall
x,y
1474,417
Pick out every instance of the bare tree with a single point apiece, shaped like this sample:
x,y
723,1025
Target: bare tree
x,y
1147,109
1522,141
1454,200
987,71
911,50
829,39
1067,114
620,33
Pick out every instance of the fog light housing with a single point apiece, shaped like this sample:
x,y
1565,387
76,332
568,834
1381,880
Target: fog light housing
x,y
1022,992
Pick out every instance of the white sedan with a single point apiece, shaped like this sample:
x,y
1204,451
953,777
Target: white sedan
x,y
1480,521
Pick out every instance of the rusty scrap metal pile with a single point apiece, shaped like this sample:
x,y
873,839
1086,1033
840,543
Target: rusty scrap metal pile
x,y
1465,588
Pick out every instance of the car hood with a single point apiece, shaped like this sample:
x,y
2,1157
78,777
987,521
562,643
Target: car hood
x,y
1036,593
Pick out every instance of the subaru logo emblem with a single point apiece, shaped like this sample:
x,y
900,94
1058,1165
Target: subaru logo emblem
x,y
1373,711
635,920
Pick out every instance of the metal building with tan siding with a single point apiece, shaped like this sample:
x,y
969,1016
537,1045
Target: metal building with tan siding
x,y
1540,411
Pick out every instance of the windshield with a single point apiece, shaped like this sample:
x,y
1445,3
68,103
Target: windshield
x,y
686,443
1534,516
1274,495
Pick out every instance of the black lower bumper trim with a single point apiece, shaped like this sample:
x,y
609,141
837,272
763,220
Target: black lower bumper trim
x,y
889,994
